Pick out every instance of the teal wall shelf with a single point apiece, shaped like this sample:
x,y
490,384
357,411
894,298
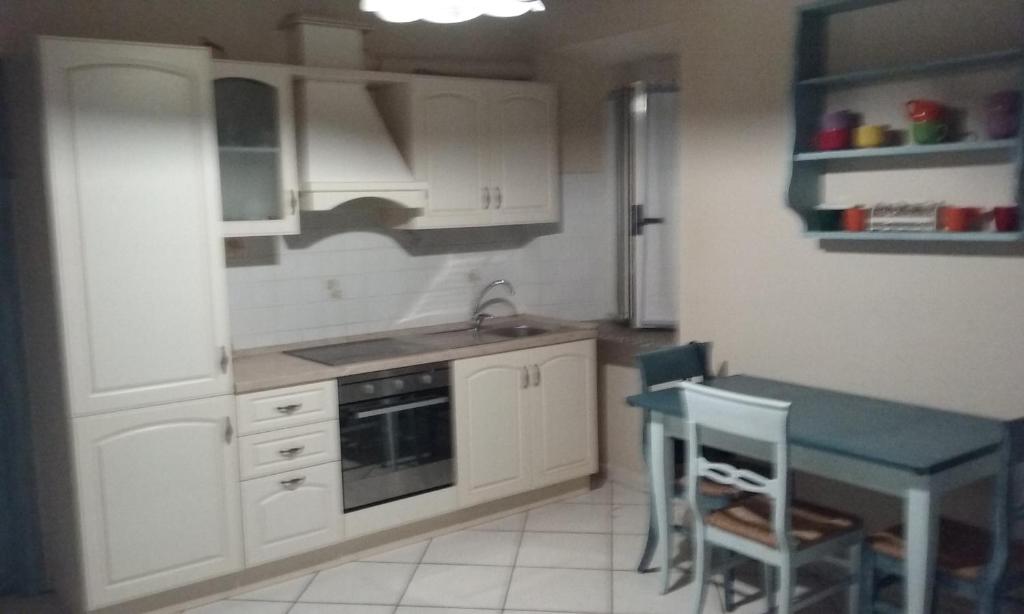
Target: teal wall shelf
x,y
810,90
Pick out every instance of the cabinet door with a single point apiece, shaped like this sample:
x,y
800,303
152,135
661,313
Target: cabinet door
x,y
451,152
524,178
292,512
491,397
565,420
135,209
158,495
256,143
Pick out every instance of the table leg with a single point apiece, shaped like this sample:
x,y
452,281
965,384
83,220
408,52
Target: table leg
x,y
651,544
921,519
661,498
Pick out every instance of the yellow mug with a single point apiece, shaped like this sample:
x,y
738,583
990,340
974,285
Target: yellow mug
x,y
869,136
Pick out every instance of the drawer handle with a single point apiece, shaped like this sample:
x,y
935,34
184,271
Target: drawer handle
x,y
289,409
293,483
291,452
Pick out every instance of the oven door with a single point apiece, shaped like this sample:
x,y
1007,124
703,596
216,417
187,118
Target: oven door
x,y
395,447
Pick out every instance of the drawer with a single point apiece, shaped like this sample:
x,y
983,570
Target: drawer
x,y
292,512
287,449
259,412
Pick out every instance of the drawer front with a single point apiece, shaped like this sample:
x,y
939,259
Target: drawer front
x,y
290,513
259,412
288,449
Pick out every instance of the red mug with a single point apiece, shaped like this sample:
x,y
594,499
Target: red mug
x,y
959,219
855,219
924,110
1006,218
830,140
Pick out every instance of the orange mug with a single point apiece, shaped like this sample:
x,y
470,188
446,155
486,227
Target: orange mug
x,y
959,219
924,110
855,219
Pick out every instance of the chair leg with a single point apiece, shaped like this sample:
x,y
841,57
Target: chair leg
x,y
700,568
868,581
729,584
652,540
786,587
853,595
768,573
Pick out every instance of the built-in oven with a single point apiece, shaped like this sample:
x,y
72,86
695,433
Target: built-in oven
x,y
396,434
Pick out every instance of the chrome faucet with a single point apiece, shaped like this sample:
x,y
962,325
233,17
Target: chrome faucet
x,y
478,316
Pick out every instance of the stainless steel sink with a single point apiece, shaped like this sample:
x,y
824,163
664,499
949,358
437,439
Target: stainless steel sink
x,y
517,331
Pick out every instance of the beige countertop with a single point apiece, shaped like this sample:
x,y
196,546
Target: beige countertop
x,y
265,368
619,344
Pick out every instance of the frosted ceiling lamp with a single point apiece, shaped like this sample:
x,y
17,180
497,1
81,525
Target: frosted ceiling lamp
x,y
447,11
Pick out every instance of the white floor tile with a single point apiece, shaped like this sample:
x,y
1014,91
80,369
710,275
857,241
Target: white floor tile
x,y
630,519
514,522
369,583
409,609
641,594
340,608
570,518
572,550
406,554
474,548
560,590
626,495
288,590
242,607
458,586
601,495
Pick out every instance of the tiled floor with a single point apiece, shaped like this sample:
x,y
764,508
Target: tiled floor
x,y
577,556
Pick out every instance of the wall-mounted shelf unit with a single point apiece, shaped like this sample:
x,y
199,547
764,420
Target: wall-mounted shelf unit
x,y
812,87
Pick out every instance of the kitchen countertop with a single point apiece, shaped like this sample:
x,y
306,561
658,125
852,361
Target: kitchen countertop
x,y
619,344
266,368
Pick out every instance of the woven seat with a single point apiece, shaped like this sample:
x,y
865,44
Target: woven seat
x,y
810,524
963,551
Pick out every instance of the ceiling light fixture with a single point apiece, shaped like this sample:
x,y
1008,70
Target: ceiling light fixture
x,y
447,11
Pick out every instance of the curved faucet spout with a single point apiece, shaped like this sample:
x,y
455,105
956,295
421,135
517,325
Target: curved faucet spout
x,y
487,288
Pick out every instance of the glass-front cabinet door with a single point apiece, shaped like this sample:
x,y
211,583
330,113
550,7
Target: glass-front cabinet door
x,y
256,141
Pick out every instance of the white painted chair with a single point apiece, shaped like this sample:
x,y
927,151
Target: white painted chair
x,y
765,526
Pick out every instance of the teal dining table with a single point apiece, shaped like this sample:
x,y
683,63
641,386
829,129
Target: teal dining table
x,y
909,451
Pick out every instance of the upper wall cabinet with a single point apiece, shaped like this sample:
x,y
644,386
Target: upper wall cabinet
x,y
134,206
488,151
256,143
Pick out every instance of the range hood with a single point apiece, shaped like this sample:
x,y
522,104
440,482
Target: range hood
x,y
346,151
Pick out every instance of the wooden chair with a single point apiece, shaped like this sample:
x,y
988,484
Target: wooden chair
x,y
659,370
766,526
982,566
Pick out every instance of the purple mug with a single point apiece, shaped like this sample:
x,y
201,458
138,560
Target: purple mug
x,y
837,120
1002,114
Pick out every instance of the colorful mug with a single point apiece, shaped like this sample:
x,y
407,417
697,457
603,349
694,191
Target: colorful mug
x,y
1002,114
831,140
837,120
959,219
869,136
924,110
855,219
1006,218
929,132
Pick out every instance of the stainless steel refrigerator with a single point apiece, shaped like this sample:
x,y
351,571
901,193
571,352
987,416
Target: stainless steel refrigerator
x,y
643,133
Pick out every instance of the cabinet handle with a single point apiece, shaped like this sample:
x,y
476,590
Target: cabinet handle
x,y
487,198
289,409
291,452
536,375
229,430
293,483
497,197
293,200
225,359
526,378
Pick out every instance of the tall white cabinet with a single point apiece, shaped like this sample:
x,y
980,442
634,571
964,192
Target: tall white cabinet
x,y
130,370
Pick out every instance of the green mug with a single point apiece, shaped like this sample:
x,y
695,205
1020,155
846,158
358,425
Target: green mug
x,y
929,132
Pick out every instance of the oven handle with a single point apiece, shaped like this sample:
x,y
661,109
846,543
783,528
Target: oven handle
x,y
397,408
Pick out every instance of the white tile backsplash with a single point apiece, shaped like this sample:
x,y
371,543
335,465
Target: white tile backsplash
x,y
345,276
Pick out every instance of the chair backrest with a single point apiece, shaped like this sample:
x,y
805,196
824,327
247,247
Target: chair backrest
x,y
739,416
674,364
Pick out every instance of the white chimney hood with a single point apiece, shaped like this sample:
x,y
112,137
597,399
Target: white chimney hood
x,y
345,149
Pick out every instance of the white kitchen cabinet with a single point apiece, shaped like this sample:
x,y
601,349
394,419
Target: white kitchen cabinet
x,y
491,427
564,442
524,419
132,182
158,498
487,149
293,512
256,146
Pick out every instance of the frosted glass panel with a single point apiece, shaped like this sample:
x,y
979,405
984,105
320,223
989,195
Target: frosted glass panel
x,y
250,156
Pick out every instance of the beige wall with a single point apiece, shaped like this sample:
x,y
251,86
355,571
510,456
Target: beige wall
x,y
940,327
